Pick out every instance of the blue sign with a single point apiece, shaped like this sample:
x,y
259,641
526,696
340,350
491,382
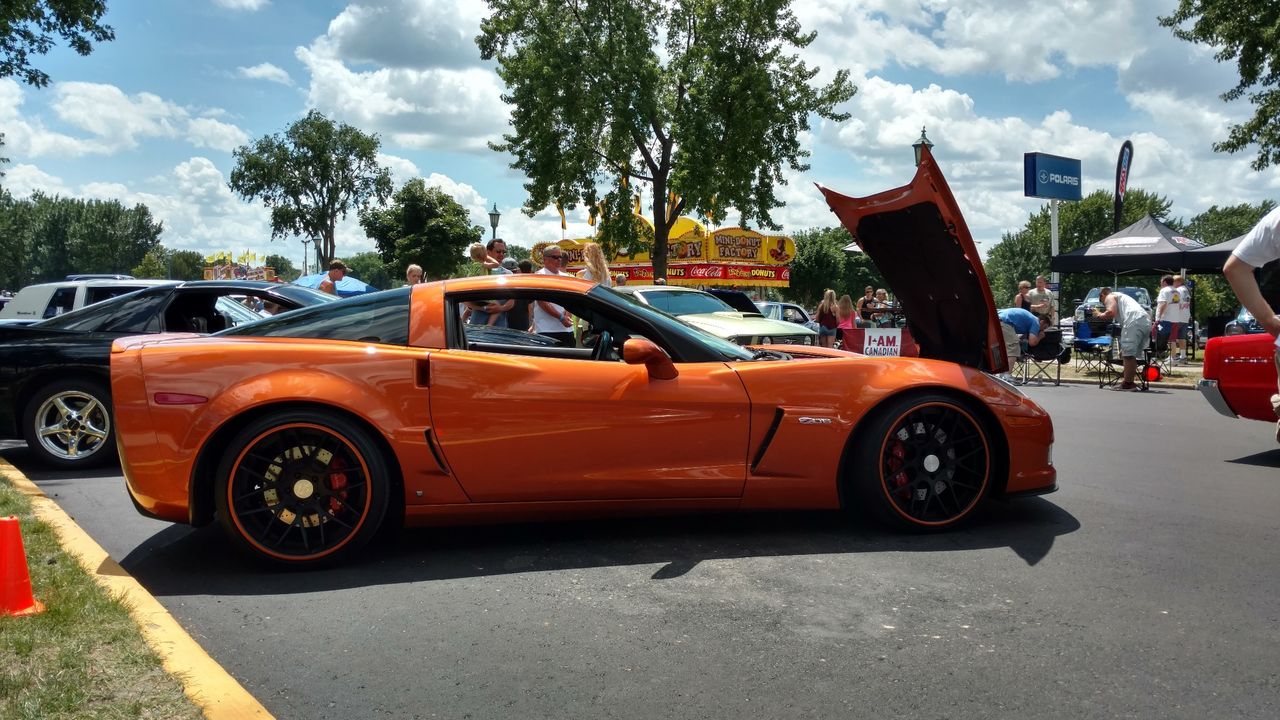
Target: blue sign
x,y
1050,176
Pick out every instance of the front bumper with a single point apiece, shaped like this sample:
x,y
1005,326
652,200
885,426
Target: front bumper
x,y
1211,392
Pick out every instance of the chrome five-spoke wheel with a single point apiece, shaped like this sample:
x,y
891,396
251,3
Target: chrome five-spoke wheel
x,y
69,424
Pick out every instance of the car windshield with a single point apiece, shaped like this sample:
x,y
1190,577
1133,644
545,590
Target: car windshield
x,y
725,349
685,302
770,310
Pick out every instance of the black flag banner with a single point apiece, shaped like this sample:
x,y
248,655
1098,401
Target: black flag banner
x,y
1122,181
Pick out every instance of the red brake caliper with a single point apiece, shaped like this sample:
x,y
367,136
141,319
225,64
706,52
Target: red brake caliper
x,y
895,461
337,483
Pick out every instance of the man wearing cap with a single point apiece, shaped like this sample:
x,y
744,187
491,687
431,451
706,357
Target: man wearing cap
x,y
337,271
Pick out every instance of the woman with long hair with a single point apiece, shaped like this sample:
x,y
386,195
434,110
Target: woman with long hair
x,y
597,269
845,313
827,319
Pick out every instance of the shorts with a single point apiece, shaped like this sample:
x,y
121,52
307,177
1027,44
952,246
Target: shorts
x,y
1174,330
1133,338
1012,342
826,331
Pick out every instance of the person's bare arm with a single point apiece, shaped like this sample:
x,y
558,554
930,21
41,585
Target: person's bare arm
x,y
1110,312
1240,276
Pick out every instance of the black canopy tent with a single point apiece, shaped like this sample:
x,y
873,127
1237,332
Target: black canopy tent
x,y
1211,257
1147,246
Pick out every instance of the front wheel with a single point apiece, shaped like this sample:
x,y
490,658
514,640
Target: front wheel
x,y
302,489
68,424
923,463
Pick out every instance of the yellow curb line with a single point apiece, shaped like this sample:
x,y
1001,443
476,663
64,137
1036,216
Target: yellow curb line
x,y
203,680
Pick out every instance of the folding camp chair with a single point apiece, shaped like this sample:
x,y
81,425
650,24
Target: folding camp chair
x,y
1044,361
1089,349
1112,366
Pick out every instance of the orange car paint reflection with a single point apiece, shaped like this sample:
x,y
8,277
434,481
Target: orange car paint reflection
x,y
529,437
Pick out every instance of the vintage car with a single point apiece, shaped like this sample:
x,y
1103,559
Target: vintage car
x,y
303,434
54,373
718,317
1239,376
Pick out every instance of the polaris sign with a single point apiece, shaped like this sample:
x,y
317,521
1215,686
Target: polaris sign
x,y
1050,176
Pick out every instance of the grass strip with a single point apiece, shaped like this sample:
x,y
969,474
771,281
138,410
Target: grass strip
x,y
84,656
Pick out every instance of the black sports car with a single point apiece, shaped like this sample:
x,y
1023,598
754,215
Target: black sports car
x,y
54,374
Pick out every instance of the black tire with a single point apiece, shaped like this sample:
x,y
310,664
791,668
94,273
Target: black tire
x,y
923,463
68,424
302,489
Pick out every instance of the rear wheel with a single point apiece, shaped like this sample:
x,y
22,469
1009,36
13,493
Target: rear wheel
x,y
302,488
68,424
923,463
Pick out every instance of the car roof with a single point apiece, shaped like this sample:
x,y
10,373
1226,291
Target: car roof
x,y
677,288
103,283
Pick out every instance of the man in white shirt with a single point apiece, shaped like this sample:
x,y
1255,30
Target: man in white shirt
x,y
1183,294
1168,312
548,318
1260,246
1135,329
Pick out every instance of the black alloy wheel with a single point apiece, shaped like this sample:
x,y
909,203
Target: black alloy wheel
x,y
302,489
923,464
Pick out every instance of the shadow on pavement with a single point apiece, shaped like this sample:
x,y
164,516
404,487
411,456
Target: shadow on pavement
x,y
183,561
1267,458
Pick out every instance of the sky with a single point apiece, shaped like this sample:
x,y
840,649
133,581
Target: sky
x,y
153,116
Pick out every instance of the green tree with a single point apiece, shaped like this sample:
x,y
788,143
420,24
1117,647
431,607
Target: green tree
x,y
3,160
519,252
368,267
186,265
1247,31
154,265
1213,296
822,263
705,100
1023,254
284,267
28,27
422,225
311,177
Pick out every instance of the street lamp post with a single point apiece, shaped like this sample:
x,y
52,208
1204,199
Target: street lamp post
x,y
494,215
306,242
920,145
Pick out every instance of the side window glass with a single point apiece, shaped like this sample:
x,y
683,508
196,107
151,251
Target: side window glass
x,y
98,294
562,325
379,317
63,300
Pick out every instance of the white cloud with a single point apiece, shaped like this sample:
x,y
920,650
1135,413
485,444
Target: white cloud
x,y
417,109
402,170
265,71
115,118
413,34
249,5
210,133
23,180
113,122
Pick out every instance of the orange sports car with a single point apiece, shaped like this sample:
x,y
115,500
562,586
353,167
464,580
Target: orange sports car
x,y
304,433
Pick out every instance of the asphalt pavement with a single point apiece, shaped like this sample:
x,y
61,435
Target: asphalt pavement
x,y
1146,587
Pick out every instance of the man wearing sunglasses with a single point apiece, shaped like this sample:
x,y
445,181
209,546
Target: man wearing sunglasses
x,y
548,318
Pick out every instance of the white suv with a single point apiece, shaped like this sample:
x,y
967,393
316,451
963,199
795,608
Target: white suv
x,y
37,302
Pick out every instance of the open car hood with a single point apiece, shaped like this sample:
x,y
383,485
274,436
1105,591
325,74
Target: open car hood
x,y
918,240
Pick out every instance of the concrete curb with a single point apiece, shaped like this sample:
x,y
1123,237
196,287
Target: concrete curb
x,y
204,681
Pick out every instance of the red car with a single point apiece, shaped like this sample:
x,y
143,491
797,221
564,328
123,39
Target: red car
x,y
1240,376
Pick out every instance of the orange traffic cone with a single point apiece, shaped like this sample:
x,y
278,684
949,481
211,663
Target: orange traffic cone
x,y
15,578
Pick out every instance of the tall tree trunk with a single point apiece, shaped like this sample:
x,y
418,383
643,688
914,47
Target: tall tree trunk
x,y
661,228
